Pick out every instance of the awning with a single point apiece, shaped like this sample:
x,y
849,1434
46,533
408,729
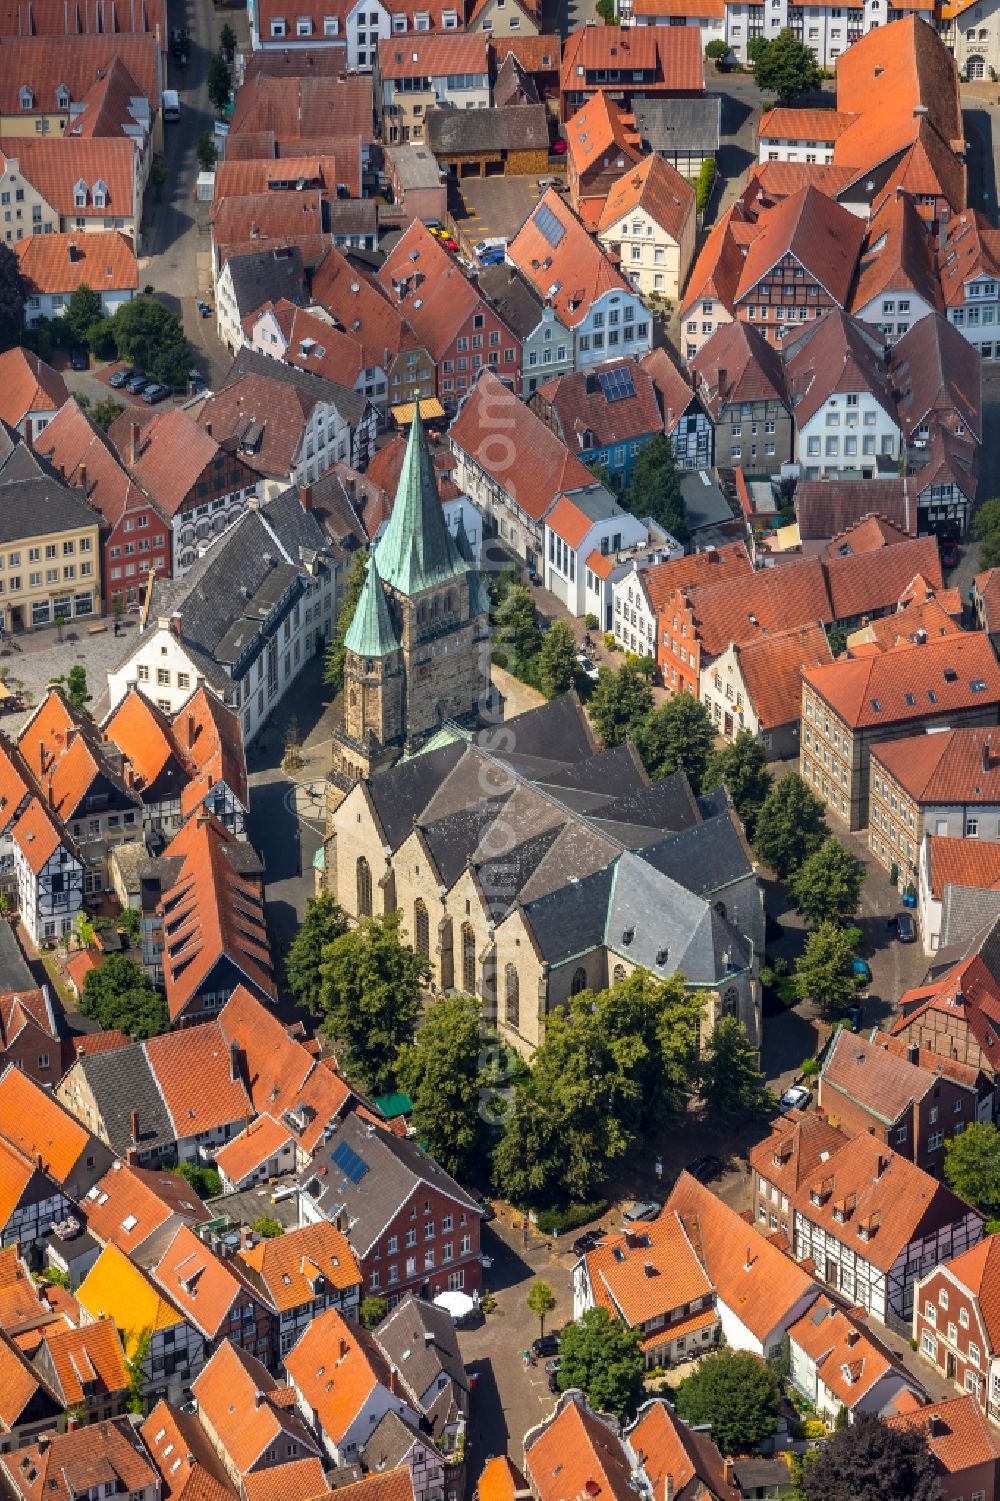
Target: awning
x,y
430,407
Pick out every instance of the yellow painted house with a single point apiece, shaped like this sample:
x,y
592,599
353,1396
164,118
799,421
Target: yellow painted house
x,y
115,1288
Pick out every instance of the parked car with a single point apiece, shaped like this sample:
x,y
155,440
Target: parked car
x,y
645,1209
552,1366
553,1381
796,1098
136,383
906,928
587,666
178,40
79,359
121,378
559,147
861,971
547,1344
949,554
854,1016
203,308
587,1242
705,1168
154,393
197,381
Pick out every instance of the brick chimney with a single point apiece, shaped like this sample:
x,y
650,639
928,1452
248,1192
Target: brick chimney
x,y
83,478
177,623
135,433
134,1127
306,497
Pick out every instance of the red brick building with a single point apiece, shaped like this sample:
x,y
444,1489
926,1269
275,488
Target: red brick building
x,y
956,1322
963,1446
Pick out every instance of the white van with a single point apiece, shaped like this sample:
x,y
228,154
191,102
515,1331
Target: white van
x,y
171,105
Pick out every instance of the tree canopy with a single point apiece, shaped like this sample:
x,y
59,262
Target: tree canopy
x,y
541,1300
516,628
13,295
333,662
620,701
741,765
785,66
557,659
118,995
220,83
737,1394
151,337
972,1164
441,1071
678,733
602,1357
823,972
868,1461
323,922
828,884
369,996
82,312
655,488
790,826
733,1085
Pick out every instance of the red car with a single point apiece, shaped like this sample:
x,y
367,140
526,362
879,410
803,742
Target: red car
x,y
559,147
450,244
949,554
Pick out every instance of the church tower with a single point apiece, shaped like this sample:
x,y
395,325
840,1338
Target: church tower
x,y
417,650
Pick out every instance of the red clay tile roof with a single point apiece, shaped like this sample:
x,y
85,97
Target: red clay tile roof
x,y
24,1304
16,1172
27,384
865,583
268,221
541,468
746,609
203,1286
263,1138
55,18
81,452
34,1123
658,188
536,54
437,306
180,1449
769,182
391,1485
287,1267
772,666
662,579
938,676
717,270
102,1454
987,585
884,80
803,124
972,249
978,1269
577,1453
821,237
568,521
882,1083
962,862
904,625
434,55
896,257
959,1437
499,1480
674,55
647,1272
669,1450
47,62
92,1353
288,108
827,508
313,344
868,534
298,1480
248,177
54,166
193,1073
355,299
952,766
575,266
937,371
226,1391
173,454
584,417
673,388
124,1210
929,169
601,126
336,1366
752,368
833,356
834,1340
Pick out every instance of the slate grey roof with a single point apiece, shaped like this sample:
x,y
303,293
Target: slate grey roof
x,y
504,878
556,729
572,919
352,216
35,505
668,804
267,276
122,1081
14,972
402,793
705,857
394,1168
351,405
422,1346
966,911
513,85
512,127
390,1442
706,504
515,299
671,929
671,125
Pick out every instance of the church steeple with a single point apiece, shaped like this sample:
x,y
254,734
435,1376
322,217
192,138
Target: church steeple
x,y
371,632
416,551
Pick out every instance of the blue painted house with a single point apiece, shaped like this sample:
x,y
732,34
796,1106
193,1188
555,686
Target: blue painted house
x,y
605,415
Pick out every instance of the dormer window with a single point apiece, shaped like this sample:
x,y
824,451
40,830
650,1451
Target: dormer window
x,y
80,195
26,97
100,193
278,27
303,26
62,97
331,25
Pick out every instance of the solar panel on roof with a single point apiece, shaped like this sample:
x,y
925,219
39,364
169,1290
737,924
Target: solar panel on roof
x,y
617,385
347,1158
549,225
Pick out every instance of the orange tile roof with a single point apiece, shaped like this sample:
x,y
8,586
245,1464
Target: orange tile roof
x,y
772,667
820,235
735,365
99,1454
937,675
38,1126
601,564
577,1453
896,257
193,1072
958,1434
662,579
672,53
336,1366
499,1480
246,178
658,188
313,344
928,169
543,466
835,1342
671,1451
289,108
81,452
575,266
54,18
804,124
750,1276
962,862
536,54
267,221
203,1286
768,182
434,55
865,583
748,608
288,1266
19,1386
438,306
53,166
651,1271
895,70
16,1172
601,126
207,734
971,249
74,62
174,452
263,1138
568,521
952,766
27,384
987,586
92,1353
713,10
23,1303
390,1485
124,1210
719,265
359,304
179,1447
298,1480
226,1389
105,262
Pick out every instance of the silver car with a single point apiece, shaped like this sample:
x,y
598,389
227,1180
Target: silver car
x,y
796,1098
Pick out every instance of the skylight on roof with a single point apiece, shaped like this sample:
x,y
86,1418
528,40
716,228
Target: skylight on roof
x,y
876,706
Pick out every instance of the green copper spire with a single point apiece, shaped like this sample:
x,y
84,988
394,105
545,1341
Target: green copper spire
x,y
479,600
416,550
371,633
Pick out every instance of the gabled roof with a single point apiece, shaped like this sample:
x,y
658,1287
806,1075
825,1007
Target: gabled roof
x,y
658,188
849,1358
961,862
646,1273
936,371
39,1127
828,508
92,1353
600,133
270,221
238,1158
900,75
865,583
910,682
772,667
173,454
72,62
117,1289
432,55
674,391
428,287
820,235
589,409
263,276
241,1400
716,272
190,1469
203,1285
86,458
28,385
953,766
421,1344
831,357
557,255
883,1084
199,1079
746,609
362,309
971,250
106,1454
670,53
820,125
896,257
957,1431
671,1451
288,1268
752,368
54,166
576,1452
336,1367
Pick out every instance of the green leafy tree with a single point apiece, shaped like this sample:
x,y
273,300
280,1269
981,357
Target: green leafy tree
x,y
220,83
137,1351
150,336
655,488
733,1083
204,1180
106,411
790,826
85,934
869,1461
541,1300
441,1072
206,151
756,47
333,662
76,688
557,659
602,1356
828,884
678,733
620,702
606,10
987,518
83,310
227,39
972,1164
737,1394
268,1228
323,922
741,765
118,995
131,923
515,626
369,996
717,48
604,477
13,295
531,1157
102,340
373,1310
836,639
823,971
786,67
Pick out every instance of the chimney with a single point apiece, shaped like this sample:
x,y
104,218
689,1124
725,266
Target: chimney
x,y
136,445
258,1399
428,1338
83,478
134,1127
234,1062
132,1157
176,623
73,252
29,434
987,746
306,497
748,1263
729,1471
934,1425
943,230
191,727
44,1440
913,1052
881,1164
668,1488
720,379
